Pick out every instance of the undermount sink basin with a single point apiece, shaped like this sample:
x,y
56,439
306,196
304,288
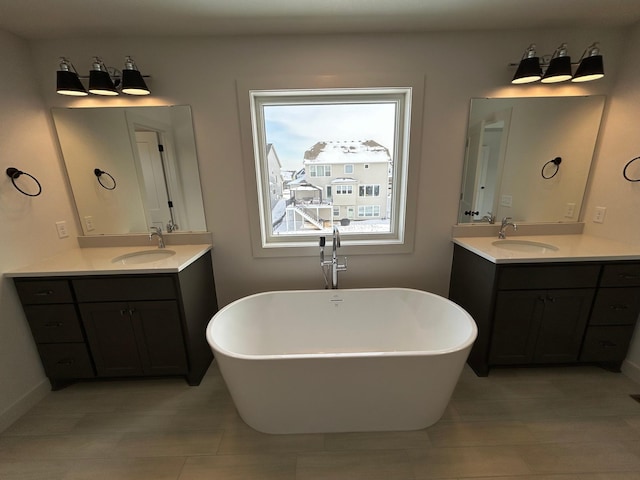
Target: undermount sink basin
x,y
144,256
525,246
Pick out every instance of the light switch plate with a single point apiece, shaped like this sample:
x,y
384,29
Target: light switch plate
x,y
88,222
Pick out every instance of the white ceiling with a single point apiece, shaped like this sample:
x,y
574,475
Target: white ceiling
x,y
47,19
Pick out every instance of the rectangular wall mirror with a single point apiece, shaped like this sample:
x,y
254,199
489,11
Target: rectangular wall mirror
x,y
131,168
528,158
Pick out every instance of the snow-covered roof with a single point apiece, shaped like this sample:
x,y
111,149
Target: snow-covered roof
x,y
350,151
344,180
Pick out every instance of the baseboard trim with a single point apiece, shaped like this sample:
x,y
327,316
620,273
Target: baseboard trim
x,y
631,370
24,404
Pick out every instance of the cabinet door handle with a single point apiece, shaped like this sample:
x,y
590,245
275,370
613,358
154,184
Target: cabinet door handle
x,y
53,324
123,312
607,344
43,293
132,311
550,298
619,307
66,361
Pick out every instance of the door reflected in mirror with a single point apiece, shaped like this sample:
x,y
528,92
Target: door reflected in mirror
x,y
509,142
149,152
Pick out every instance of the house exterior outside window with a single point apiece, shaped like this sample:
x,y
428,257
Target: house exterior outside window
x,y
371,182
332,134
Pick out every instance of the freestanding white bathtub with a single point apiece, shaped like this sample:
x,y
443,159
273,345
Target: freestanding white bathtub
x,y
341,360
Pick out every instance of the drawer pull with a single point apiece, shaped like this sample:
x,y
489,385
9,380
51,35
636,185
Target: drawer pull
x,y
53,324
619,307
629,276
44,293
66,361
607,344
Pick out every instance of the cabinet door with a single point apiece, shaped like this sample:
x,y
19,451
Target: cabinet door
x,y
564,321
112,339
517,318
159,335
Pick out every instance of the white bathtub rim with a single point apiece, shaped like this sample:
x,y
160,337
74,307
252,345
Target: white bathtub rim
x,y
466,344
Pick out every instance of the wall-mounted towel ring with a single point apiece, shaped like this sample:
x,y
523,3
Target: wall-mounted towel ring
x,y
98,173
556,161
14,173
624,171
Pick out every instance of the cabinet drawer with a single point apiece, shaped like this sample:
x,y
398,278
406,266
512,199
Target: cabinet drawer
x,y
621,275
606,344
548,276
66,360
34,292
616,306
124,288
54,323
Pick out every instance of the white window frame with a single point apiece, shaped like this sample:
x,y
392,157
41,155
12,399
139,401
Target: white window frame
x,y
405,183
348,169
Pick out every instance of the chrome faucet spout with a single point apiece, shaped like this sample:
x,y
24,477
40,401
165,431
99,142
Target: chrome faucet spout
x,y
157,231
334,265
506,222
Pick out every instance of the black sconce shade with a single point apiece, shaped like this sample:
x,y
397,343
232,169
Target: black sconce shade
x,y
133,83
68,83
590,68
529,69
67,80
100,83
559,70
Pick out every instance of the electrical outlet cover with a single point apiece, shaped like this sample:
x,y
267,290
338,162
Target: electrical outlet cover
x,y
62,229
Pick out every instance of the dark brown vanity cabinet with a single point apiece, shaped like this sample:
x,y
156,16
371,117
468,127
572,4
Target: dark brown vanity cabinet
x,y
547,313
56,327
614,314
123,325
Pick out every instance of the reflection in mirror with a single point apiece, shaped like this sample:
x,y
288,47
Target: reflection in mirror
x,y
509,142
149,152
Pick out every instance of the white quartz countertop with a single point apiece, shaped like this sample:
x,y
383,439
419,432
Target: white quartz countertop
x,y
570,248
99,261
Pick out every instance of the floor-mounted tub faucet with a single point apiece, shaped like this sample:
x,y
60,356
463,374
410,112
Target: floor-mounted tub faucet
x,y
157,231
506,222
333,265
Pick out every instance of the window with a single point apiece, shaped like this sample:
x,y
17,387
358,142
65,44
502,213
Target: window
x,y
369,190
323,138
344,189
369,211
320,170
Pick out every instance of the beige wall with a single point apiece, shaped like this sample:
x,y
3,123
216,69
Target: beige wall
x,y
202,72
28,223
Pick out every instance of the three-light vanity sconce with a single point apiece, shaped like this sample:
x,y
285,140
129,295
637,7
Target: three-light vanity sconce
x,y
558,67
103,80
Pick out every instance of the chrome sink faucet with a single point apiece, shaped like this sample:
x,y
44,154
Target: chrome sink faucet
x,y
506,222
157,231
334,265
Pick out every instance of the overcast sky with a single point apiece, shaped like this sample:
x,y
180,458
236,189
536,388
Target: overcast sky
x,y
293,129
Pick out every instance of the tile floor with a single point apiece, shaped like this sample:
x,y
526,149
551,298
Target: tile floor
x,y
574,423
